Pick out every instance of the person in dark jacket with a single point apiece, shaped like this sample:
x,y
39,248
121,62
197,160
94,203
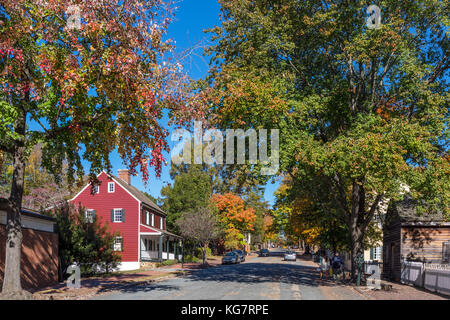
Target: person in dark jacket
x,y
337,265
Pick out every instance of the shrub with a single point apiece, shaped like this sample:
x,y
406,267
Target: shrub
x,y
199,253
189,258
89,244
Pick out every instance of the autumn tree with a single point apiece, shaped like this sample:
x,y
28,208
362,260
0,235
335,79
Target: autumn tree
x,y
360,110
235,218
82,88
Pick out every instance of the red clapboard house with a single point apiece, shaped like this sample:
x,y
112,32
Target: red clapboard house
x,y
141,223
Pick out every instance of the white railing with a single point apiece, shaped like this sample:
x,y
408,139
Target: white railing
x,y
437,266
153,255
149,255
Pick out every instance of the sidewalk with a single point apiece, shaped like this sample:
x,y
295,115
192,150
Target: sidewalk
x,y
399,291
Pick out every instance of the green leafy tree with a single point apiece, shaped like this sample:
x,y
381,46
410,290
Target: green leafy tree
x,y
362,111
89,244
192,188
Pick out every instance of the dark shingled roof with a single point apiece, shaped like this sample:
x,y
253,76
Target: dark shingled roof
x,y
407,212
35,214
139,195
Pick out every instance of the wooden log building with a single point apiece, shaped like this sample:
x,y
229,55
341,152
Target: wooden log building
x,y
409,236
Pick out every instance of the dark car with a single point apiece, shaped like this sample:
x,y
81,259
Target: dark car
x,y
241,254
231,258
264,253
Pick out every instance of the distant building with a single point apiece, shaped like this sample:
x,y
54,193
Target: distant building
x,y
141,223
39,259
408,236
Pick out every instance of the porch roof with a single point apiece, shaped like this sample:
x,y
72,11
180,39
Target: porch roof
x,y
144,229
155,231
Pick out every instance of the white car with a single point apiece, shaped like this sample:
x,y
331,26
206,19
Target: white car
x,y
290,256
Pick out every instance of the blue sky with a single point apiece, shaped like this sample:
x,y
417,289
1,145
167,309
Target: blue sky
x,y
192,17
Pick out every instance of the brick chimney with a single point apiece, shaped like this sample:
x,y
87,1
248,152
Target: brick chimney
x,y
124,174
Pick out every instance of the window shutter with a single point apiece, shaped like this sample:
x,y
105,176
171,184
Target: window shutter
x,y
94,215
371,253
123,215
112,215
121,244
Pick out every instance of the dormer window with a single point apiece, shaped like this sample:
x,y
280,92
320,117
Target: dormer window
x,y
111,187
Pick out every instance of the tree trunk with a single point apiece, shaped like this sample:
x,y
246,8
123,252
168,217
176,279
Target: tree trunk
x,y
204,253
356,225
11,280
356,244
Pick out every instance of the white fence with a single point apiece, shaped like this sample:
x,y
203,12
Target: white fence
x,y
433,277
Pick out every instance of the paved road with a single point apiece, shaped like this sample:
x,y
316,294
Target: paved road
x,y
259,278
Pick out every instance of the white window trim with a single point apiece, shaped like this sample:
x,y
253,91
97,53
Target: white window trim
x,y
147,218
115,215
86,215
153,219
109,187
121,243
98,189
161,225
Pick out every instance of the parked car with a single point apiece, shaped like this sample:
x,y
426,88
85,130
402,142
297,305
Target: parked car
x,y
264,253
241,255
231,258
290,256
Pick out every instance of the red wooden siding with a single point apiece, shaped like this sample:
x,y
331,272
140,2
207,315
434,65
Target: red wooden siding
x,y
144,229
119,199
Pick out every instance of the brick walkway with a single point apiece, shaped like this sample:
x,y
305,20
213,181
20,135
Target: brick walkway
x,y
399,291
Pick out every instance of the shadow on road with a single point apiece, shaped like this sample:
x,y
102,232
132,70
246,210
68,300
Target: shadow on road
x,y
144,288
258,273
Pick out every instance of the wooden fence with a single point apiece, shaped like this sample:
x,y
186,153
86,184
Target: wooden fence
x,y
433,277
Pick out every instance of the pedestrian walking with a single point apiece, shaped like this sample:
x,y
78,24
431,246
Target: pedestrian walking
x,y
336,264
324,267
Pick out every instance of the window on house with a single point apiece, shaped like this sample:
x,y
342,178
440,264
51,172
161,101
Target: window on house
x,y
89,215
153,220
377,253
111,187
147,218
96,189
118,215
161,226
118,244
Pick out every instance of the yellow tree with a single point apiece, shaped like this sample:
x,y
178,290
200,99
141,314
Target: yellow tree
x,y
236,218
